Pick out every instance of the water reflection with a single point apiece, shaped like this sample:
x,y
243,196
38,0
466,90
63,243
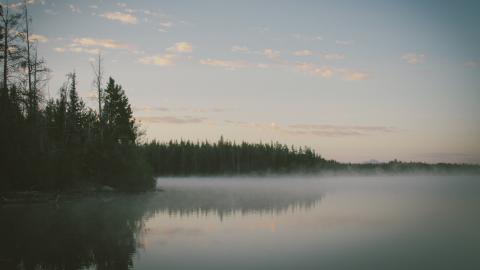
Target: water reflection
x,y
105,231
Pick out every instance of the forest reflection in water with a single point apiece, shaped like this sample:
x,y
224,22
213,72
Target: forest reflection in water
x,y
105,230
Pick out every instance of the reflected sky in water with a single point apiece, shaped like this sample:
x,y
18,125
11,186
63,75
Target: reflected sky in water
x,y
414,222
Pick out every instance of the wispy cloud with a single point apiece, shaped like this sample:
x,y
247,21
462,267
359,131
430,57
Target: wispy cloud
x,y
150,109
126,18
164,26
104,43
79,50
181,47
307,38
333,56
172,119
181,109
303,53
414,58
271,53
355,76
159,60
50,11
226,64
242,49
321,130
74,8
323,71
327,130
344,42
169,58
328,72
93,46
38,38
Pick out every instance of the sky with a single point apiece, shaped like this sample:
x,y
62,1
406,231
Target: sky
x,y
354,80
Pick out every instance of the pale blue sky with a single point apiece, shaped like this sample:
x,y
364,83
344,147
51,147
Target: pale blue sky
x,y
356,80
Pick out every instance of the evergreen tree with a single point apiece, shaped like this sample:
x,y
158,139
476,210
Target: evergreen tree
x,y
119,121
75,113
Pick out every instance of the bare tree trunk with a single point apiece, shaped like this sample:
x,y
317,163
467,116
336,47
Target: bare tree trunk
x,y
98,72
29,67
99,84
5,47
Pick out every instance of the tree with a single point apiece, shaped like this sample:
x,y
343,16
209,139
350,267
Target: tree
x,y
10,34
75,112
119,121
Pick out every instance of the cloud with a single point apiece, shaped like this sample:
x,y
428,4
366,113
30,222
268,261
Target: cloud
x,y
242,49
50,12
325,72
121,17
270,53
413,58
344,42
90,95
92,46
334,56
181,47
172,119
303,53
104,43
328,72
77,50
307,38
230,65
166,24
181,109
150,109
324,130
159,60
262,30
83,50
355,76
38,38
93,6
74,8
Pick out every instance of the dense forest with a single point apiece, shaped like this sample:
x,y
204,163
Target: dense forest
x,y
226,157
60,143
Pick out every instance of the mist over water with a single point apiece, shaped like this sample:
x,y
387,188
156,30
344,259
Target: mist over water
x,y
300,222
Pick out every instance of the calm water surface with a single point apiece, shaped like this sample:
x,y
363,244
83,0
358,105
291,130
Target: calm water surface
x,y
379,222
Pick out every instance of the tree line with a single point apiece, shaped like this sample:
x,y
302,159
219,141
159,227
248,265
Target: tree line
x,y
226,157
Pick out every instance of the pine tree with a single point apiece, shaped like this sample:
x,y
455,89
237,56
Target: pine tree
x,y
75,112
119,120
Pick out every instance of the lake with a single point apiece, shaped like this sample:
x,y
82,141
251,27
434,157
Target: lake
x,y
290,222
